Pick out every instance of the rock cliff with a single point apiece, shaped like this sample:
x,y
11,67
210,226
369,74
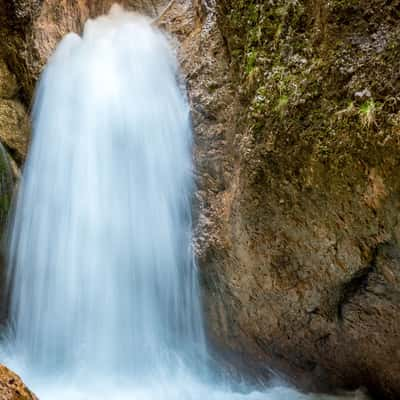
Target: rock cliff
x,y
306,270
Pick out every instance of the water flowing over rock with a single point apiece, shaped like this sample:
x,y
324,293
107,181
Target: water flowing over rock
x,y
108,238
295,114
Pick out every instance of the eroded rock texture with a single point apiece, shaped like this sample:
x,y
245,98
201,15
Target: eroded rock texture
x,y
297,117
12,387
305,271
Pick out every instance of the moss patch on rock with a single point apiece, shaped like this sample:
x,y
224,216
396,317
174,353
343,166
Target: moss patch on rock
x,y
321,83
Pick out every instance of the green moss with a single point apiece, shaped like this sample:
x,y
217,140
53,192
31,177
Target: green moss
x,y
367,112
251,61
299,65
282,104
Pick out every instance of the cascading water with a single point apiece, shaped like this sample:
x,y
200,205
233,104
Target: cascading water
x,y
103,296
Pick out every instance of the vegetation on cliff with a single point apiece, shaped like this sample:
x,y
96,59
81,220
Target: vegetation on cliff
x,y
321,83
310,263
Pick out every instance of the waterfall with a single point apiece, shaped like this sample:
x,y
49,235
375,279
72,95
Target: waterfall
x,y
103,291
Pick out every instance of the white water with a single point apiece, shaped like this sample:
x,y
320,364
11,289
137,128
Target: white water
x,y
104,302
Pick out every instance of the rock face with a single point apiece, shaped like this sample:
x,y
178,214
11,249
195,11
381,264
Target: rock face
x,y
304,271
7,180
297,118
12,387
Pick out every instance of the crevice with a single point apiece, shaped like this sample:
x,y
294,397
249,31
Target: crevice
x,y
357,283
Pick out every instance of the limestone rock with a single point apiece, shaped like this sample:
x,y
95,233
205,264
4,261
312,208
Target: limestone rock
x,y
12,387
8,83
14,128
7,180
301,273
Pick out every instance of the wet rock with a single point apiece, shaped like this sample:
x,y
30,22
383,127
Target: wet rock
x,y
295,277
14,128
12,387
8,83
7,180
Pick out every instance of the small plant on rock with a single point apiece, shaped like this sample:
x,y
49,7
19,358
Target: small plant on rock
x,y
367,113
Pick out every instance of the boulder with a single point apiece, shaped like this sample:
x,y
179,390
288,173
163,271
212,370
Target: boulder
x,y
12,387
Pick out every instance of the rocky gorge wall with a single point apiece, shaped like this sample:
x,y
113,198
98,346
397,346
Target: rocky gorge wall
x,y
308,273
296,116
